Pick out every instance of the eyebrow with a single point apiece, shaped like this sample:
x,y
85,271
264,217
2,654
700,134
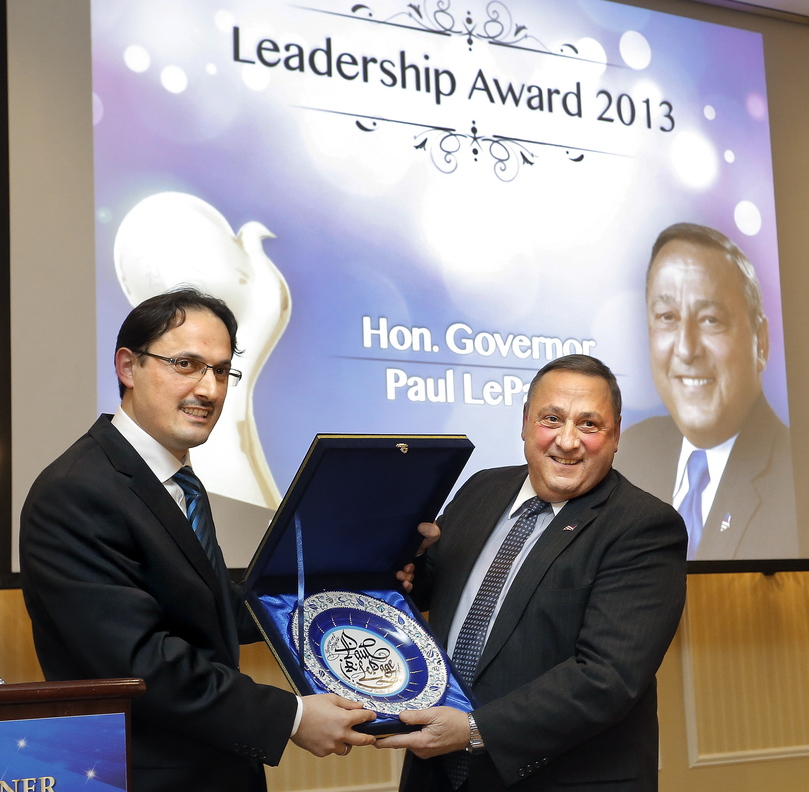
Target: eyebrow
x,y
194,355
668,299
551,408
590,414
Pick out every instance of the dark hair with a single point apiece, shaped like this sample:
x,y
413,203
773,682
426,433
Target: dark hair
x,y
581,364
163,312
716,240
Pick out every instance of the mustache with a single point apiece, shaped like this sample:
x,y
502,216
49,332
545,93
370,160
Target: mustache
x,y
197,403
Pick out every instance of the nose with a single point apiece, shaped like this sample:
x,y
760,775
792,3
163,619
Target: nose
x,y
207,386
567,438
687,343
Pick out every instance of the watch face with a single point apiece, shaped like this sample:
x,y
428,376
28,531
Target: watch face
x,y
368,651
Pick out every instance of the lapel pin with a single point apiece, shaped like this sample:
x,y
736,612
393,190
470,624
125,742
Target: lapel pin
x,y
570,527
725,523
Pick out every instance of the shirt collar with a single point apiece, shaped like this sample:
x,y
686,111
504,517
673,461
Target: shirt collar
x,y
526,493
717,460
159,459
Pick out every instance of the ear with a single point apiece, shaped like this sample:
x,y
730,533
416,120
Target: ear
x,y
762,345
617,432
125,360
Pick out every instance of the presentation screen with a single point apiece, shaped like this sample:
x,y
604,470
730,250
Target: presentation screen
x,y
412,207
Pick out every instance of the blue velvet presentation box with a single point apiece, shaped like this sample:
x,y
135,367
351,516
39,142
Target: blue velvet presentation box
x,y
345,527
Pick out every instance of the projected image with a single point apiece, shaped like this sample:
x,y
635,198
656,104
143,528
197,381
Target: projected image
x,y
457,194
722,457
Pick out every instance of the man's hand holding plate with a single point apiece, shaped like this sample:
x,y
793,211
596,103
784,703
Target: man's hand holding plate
x,y
431,533
444,729
327,723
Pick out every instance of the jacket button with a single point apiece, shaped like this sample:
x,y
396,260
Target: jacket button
x,y
521,773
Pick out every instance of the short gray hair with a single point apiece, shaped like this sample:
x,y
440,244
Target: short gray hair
x,y
581,364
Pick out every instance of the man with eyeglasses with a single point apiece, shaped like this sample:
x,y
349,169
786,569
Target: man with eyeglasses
x,y
120,581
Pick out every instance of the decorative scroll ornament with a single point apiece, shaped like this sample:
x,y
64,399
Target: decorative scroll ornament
x,y
437,16
444,146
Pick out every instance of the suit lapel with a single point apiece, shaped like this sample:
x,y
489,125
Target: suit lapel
x,y
152,493
737,497
176,525
576,516
482,516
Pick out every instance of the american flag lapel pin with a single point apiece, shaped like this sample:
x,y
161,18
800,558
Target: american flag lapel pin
x,y
571,527
725,524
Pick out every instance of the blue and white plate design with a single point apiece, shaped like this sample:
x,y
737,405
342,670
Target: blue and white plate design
x,y
369,651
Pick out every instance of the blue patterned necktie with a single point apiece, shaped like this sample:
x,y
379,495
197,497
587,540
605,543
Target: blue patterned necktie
x,y
472,637
199,512
691,506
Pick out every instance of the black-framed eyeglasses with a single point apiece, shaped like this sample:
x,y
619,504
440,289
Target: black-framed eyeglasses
x,y
193,367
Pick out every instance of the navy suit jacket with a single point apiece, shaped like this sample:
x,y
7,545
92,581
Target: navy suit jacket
x,y
117,585
566,682
753,512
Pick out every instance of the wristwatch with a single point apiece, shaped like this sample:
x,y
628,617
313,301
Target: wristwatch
x,y
476,745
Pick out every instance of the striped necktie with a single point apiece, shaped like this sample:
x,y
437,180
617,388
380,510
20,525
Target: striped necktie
x,y
691,506
472,637
199,512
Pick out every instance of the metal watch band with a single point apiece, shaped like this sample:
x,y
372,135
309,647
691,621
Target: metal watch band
x,y
475,740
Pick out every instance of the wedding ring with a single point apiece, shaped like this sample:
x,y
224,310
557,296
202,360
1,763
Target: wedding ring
x,y
346,750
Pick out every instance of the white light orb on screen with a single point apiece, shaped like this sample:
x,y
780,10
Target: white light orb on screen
x,y
694,160
137,59
224,21
635,50
591,50
747,218
211,69
710,112
756,106
174,79
256,78
730,157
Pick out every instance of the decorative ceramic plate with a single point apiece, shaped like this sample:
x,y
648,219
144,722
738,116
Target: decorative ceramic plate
x,y
368,651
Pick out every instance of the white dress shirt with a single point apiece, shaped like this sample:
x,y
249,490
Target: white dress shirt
x,y
160,461
717,460
488,553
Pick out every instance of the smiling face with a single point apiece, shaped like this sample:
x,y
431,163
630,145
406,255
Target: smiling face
x,y
570,433
176,410
706,356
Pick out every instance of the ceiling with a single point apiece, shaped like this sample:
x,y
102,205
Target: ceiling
x,y
793,6
799,7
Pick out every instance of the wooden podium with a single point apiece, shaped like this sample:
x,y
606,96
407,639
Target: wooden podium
x,y
81,727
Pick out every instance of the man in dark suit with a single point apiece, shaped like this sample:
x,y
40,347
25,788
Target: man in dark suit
x,y
722,457
565,666
117,584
